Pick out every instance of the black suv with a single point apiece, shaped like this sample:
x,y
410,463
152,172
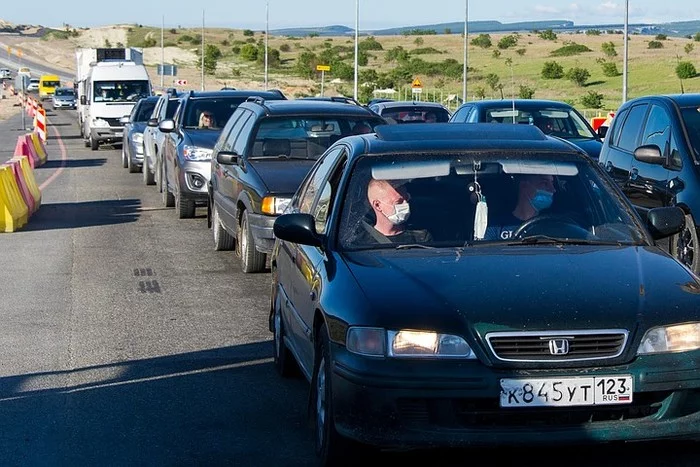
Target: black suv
x,y
189,138
262,155
652,151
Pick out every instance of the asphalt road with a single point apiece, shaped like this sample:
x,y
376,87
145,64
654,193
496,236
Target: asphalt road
x,y
127,340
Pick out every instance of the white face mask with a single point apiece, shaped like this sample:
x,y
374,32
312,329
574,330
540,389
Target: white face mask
x,y
401,213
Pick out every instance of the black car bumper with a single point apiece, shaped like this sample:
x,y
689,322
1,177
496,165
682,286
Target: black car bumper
x,y
459,407
261,229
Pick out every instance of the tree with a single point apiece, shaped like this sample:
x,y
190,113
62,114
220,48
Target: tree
x,y
592,100
212,54
578,75
508,41
484,41
609,49
552,70
686,70
526,92
689,47
610,69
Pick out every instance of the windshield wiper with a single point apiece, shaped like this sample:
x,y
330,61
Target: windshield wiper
x,y
541,239
411,246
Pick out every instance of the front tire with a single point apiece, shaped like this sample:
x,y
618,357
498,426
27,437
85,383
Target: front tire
x,y
222,239
685,245
94,145
251,259
125,162
168,198
148,176
284,360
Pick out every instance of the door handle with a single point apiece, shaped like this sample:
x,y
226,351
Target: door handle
x,y
634,173
608,166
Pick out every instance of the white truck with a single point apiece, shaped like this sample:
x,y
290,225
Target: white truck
x,y
109,83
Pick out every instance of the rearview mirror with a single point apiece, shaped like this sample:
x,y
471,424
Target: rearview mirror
x,y
602,131
124,120
152,122
166,126
83,100
666,221
227,157
297,228
651,154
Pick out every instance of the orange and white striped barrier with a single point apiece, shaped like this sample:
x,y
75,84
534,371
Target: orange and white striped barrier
x,y
40,123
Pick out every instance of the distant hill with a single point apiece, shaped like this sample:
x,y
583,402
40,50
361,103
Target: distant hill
x,y
677,29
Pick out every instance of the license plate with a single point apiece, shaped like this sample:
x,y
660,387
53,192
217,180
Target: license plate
x,y
118,135
566,392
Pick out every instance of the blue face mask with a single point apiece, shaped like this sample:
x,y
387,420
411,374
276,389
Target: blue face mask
x,y
541,200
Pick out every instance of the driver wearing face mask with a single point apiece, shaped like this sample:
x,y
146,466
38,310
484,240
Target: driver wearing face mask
x,y
535,194
390,203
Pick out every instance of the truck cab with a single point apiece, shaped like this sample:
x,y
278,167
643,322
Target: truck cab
x,y
48,85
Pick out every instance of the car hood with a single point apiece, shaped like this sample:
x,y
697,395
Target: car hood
x,y
64,98
202,138
281,176
592,147
515,288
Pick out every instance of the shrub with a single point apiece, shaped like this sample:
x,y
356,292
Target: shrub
x,y
526,92
592,100
508,41
370,44
496,53
578,75
686,70
610,69
661,37
593,32
570,49
552,70
689,47
248,33
655,45
609,49
285,48
548,35
520,52
484,41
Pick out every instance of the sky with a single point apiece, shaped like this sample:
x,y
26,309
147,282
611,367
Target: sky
x,y
374,14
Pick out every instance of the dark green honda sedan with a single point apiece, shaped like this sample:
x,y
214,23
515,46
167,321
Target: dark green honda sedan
x,y
475,284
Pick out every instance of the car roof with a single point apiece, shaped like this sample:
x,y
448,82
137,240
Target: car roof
x,y
682,100
307,107
441,137
520,103
272,94
417,104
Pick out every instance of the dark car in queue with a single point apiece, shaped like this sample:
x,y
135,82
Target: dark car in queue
x,y
652,151
134,126
63,98
555,118
447,285
189,139
263,154
411,111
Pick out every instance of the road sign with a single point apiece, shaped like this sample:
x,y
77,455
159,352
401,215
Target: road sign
x,y
166,70
417,90
180,82
323,68
416,84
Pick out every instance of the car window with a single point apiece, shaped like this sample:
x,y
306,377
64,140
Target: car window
x,y
629,133
675,155
144,111
520,197
416,114
657,130
220,108
305,137
615,131
461,115
313,184
171,108
691,119
243,134
240,117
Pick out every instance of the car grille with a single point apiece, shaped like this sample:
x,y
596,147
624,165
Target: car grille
x,y
113,122
560,346
485,413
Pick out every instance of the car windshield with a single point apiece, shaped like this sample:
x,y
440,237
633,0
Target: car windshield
x,y
416,114
120,91
305,137
144,111
64,92
437,200
51,84
561,122
691,118
210,113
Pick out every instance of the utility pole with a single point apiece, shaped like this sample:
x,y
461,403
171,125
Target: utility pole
x,y
626,54
357,38
202,50
162,52
466,38
267,33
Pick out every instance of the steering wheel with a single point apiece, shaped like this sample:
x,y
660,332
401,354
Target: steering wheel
x,y
544,220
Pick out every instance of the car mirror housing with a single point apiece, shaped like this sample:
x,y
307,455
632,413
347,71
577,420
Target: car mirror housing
x,y
297,228
227,157
602,131
651,154
152,122
124,119
166,126
83,100
666,221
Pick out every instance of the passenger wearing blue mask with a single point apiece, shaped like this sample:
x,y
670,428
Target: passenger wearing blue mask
x,y
535,194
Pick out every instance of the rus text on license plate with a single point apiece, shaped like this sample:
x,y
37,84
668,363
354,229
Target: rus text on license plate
x,y
553,392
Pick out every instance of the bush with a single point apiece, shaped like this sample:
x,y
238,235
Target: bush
x,y
484,41
370,44
686,70
496,53
578,75
249,52
248,33
696,37
570,49
508,41
661,37
593,32
285,48
526,92
426,51
592,100
609,49
552,70
689,47
610,69
655,45
520,52
548,35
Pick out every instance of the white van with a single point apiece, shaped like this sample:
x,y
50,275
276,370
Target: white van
x,y
111,91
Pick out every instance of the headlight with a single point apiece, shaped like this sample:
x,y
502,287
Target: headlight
x,y
406,344
194,153
679,338
137,138
99,123
273,205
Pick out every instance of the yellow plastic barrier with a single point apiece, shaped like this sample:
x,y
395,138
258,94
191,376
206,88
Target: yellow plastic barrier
x,y
28,174
13,211
39,148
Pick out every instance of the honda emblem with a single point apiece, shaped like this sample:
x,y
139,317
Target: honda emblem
x,y
558,346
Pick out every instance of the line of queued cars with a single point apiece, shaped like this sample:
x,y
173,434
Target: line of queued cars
x,y
458,283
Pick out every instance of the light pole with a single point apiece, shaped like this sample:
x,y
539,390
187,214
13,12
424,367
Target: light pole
x,y
202,50
466,67
162,52
626,53
357,36
267,33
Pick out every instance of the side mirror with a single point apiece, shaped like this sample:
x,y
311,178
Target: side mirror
x,y
602,131
666,221
124,120
651,154
226,157
297,228
83,100
166,126
152,122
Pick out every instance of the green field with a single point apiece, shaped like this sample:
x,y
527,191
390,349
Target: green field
x,y
651,71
